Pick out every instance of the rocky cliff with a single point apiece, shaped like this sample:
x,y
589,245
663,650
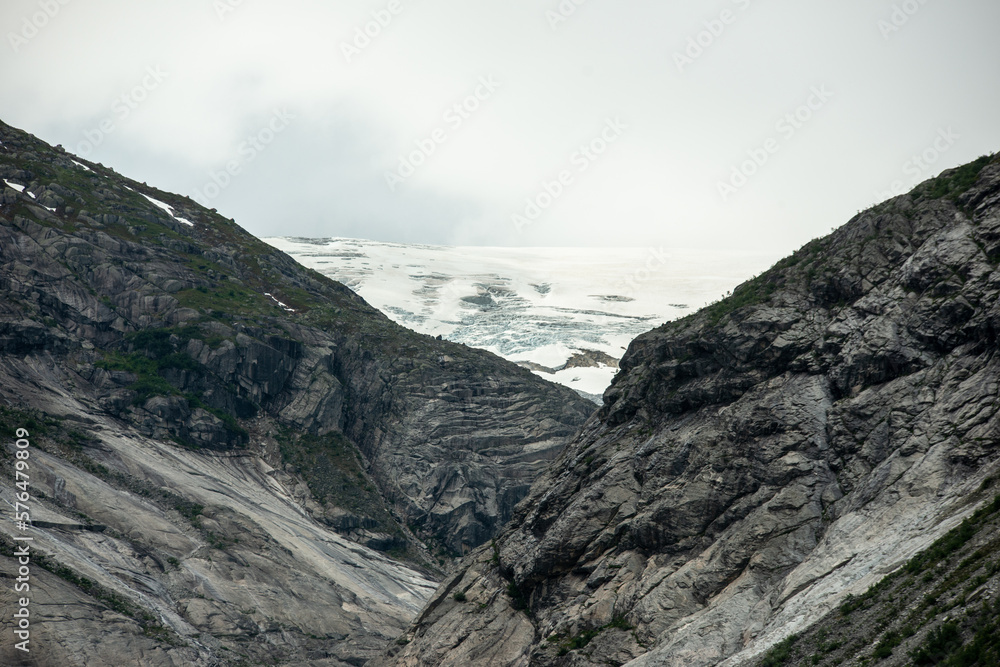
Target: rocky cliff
x,y
756,463
223,441
941,608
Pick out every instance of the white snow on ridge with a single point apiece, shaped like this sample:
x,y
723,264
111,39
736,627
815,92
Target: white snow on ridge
x,y
81,165
538,305
169,209
166,207
20,188
283,306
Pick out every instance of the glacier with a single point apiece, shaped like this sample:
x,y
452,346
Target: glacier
x,y
567,313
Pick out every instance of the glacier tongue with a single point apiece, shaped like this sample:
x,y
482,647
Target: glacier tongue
x,y
566,313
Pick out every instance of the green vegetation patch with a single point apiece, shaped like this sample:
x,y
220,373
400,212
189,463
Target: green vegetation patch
x,y
929,595
578,641
107,597
518,600
35,422
148,381
780,653
958,181
225,301
750,293
984,649
940,643
952,541
331,466
155,351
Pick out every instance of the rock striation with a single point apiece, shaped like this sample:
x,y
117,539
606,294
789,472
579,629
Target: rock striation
x,y
248,434
755,463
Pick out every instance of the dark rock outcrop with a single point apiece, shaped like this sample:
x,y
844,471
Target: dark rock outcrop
x,y
758,461
181,333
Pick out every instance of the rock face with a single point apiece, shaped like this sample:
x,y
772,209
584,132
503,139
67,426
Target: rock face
x,y
243,428
941,608
145,553
758,461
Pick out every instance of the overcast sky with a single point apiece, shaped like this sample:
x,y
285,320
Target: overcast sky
x,y
730,123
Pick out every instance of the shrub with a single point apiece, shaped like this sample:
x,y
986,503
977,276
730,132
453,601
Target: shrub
x,y
940,642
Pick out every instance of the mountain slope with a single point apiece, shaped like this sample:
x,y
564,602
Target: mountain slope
x,y
942,608
757,461
223,437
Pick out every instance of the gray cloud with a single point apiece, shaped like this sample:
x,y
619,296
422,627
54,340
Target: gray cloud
x,y
703,88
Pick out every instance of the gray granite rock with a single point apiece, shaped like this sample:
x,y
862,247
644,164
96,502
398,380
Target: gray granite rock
x,y
251,435
758,461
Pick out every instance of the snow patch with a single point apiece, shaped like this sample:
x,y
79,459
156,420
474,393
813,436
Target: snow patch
x,y
552,355
283,306
166,207
19,188
163,206
81,165
588,380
